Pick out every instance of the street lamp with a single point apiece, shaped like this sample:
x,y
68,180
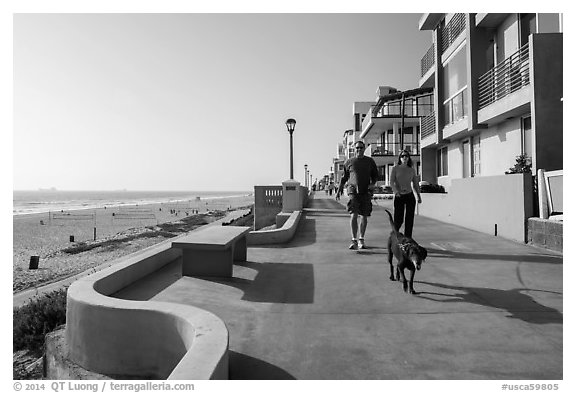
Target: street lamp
x,y
305,175
290,125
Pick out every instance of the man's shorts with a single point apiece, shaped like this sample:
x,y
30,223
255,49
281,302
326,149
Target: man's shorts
x,y
360,204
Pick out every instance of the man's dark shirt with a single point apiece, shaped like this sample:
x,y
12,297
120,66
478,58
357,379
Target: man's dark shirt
x,y
359,172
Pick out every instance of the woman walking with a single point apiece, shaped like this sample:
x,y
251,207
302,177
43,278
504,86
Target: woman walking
x,y
404,182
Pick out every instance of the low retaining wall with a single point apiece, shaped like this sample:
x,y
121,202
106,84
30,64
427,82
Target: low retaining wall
x,y
279,235
493,204
546,233
142,339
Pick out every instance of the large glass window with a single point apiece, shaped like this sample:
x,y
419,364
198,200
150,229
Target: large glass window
x,y
455,108
455,83
455,74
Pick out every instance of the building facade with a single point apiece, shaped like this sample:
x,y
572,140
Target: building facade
x,y
393,124
497,94
346,150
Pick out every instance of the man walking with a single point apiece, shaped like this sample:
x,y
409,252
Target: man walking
x,y
360,176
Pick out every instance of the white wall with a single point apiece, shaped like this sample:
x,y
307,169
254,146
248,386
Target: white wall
x,y
499,146
481,203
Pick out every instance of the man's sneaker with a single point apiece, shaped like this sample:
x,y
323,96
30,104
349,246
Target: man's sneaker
x,y
353,245
361,244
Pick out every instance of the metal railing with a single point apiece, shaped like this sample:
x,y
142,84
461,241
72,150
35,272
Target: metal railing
x,y
452,30
427,61
428,125
507,77
411,109
456,108
393,149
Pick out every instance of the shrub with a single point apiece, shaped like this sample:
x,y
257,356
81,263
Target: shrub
x,y
432,188
35,319
522,165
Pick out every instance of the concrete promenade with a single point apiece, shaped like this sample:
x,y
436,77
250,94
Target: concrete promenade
x,y
488,308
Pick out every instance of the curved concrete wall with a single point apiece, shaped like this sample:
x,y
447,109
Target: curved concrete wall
x,y
142,339
279,235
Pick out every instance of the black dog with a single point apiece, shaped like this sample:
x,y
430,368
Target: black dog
x,y
408,253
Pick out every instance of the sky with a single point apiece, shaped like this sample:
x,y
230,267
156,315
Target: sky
x,y
190,101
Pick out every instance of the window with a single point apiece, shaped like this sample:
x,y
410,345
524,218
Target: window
x,y
527,136
476,156
442,162
382,173
527,27
466,160
424,105
455,108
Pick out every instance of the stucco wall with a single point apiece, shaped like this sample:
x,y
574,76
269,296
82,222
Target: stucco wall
x,y
483,202
499,146
267,204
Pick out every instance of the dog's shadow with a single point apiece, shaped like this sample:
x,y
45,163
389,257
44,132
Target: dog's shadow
x,y
514,301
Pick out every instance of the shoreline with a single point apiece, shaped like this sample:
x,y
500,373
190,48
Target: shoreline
x,y
116,235
112,205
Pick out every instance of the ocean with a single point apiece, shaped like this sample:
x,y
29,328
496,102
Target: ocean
x,y
43,201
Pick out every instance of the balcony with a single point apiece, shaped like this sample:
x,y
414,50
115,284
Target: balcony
x,y
506,78
452,31
428,125
427,61
392,149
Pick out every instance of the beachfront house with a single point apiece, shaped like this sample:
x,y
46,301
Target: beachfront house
x,y
497,95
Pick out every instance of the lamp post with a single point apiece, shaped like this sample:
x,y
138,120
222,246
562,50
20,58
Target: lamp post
x,y
305,175
290,125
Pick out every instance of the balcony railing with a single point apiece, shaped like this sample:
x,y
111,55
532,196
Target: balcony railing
x,y
452,30
428,125
507,77
393,149
455,108
427,61
411,109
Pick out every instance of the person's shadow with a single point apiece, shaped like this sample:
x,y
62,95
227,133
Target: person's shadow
x,y
515,301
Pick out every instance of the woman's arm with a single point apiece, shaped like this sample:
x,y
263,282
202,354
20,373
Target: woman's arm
x,y
416,186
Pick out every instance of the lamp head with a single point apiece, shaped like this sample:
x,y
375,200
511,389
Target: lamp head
x,y
290,125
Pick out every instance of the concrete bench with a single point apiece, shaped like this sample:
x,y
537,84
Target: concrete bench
x,y
212,251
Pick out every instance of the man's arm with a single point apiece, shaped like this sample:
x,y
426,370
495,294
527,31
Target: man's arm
x,y
343,181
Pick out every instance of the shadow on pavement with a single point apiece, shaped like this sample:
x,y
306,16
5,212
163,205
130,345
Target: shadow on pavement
x,y
536,258
519,305
285,283
242,366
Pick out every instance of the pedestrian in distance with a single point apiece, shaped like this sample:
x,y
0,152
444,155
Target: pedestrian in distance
x,y
404,183
360,176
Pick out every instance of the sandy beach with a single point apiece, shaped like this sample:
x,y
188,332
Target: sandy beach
x,y
119,232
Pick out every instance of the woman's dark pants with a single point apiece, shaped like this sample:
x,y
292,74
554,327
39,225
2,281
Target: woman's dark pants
x,y
404,203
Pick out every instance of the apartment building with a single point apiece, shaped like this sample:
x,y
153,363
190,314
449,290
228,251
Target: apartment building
x,y
497,82
497,94
393,124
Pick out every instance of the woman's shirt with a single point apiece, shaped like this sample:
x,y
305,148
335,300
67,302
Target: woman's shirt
x,y
402,178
